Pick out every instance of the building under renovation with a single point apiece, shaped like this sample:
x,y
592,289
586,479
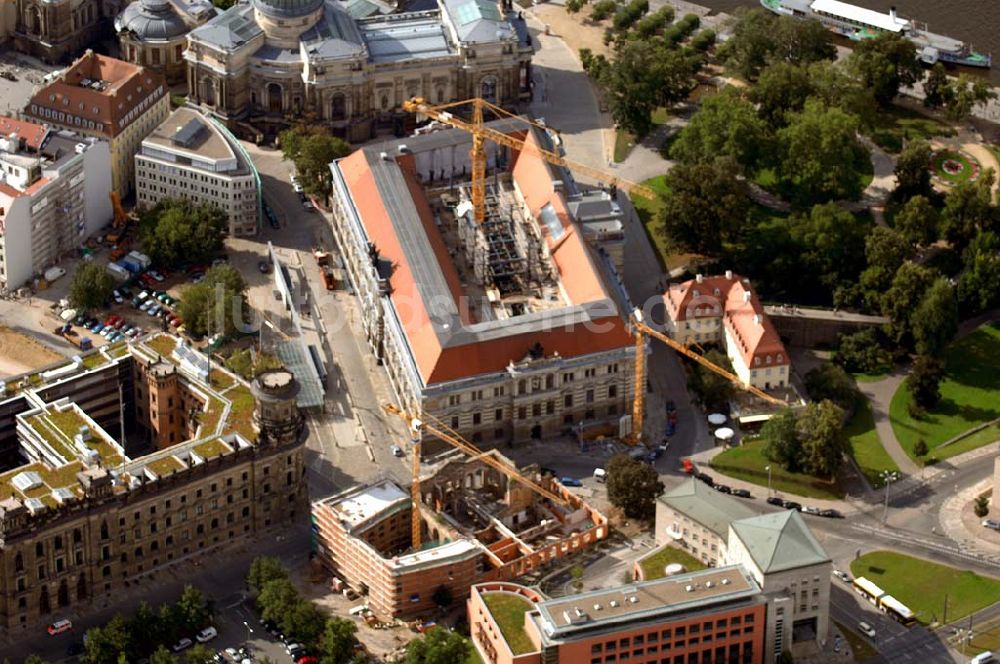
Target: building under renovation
x,y
477,525
506,329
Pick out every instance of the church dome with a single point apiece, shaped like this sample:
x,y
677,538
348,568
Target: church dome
x,y
151,20
285,8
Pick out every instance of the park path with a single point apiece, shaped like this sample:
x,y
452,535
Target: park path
x,y
879,393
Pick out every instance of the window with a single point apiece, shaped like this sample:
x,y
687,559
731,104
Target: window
x,y
568,401
612,391
476,419
498,415
454,422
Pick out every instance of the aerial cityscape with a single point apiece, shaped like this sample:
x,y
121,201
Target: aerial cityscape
x,y
498,332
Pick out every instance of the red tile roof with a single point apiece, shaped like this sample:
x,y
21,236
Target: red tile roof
x,y
439,363
730,298
32,133
127,85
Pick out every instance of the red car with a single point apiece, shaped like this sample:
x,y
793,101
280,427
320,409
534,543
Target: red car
x,y
688,466
307,659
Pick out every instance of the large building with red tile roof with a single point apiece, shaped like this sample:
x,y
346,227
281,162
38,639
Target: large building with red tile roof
x,y
53,195
725,309
506,331
105,98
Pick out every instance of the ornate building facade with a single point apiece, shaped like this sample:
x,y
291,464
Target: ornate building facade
x,y
55,31
264,61
153,33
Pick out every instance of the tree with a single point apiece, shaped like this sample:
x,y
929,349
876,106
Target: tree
x,y
937,89
199,654
913,170
442,596
175,231
145,628
920,448
311,148
968,209
337,642
91,287
105,644
34,659
935,320
981,506
781,89
783,445
885,64
835,86
305,622
979,282
885,251
633,486
706,205
194,610
966,93
574,6
711,389
264,569
829,382
832,242
820,428
759,37
438,646
602,9
917,220
900,301
924,381
162,656
861,352
726,125
277,599
217,304
802,42
820,154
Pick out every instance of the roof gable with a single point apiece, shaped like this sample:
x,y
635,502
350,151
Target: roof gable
x,y
705,505
779,541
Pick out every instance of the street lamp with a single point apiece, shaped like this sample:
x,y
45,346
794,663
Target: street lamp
x,y
249,630
768,469
888,477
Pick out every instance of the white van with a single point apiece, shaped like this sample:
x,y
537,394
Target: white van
x,y
600,475
983,658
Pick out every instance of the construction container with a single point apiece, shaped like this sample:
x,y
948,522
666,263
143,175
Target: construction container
x,y
118,272
54,273
141,258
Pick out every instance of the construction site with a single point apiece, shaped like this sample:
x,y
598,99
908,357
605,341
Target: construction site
x,y
475,522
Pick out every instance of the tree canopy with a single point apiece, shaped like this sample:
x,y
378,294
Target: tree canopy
x,y
726,125
709,388
337,641
217,305
829,382
979,282
311,148
91,286
437,646
633,486
706,205
924,380
968,209
913,174
760,37
918,221
900,301
935,320
175,231
885,64
811,441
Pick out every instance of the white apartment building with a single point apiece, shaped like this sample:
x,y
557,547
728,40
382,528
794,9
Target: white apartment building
x,y
53,195
190,156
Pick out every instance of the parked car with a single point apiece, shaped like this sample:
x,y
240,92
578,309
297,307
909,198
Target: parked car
x,y
264,267
792,505
866,629
831,514
722,488
992,524
810,510
156,275
570,481
206,635
741,493
843,576
117,296
397,451
182,645
293,646
774,500
60,626
307,205
706,478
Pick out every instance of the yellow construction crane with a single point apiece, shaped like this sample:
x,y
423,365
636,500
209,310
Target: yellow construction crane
x,y
480,133
641,331
116,204
452,437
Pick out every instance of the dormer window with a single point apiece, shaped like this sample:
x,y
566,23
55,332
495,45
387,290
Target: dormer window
x,y
780,359
768,359
756,361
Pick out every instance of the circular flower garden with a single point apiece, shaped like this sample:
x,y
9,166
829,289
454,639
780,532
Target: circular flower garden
x,y
950,167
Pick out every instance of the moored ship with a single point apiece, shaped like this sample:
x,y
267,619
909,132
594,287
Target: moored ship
x,y
858,23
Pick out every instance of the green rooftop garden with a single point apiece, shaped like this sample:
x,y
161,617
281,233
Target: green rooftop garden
x,y
69,422
52,435
210,418
211,448
162,344
118,350
165,465
220,380
653,567
241,412
94,360
508,610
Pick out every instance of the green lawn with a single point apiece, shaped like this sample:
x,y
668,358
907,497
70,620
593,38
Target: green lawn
x,y
508,610
860,647
653,566
922,585
625,141
986,636
867,449
968,397
899,125
967,163
649,215
747,463
870,378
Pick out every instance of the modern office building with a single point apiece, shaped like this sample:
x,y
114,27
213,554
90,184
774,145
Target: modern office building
x,y
508,330
193,157
778,550
153,33
477,525
53,195
715,615
109,99
128,460
268,60
724,309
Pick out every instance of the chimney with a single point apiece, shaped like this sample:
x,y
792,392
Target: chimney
x,y
892,13
746,296
699,278
729,275
756,319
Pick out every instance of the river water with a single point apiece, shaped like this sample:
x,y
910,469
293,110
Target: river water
x,y
975,22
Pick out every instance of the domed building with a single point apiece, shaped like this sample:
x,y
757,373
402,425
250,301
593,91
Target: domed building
x,y
153,33
271,61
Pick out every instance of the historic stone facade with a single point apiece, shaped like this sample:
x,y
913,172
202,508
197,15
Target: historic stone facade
x,y
153,33
271,60
55,31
